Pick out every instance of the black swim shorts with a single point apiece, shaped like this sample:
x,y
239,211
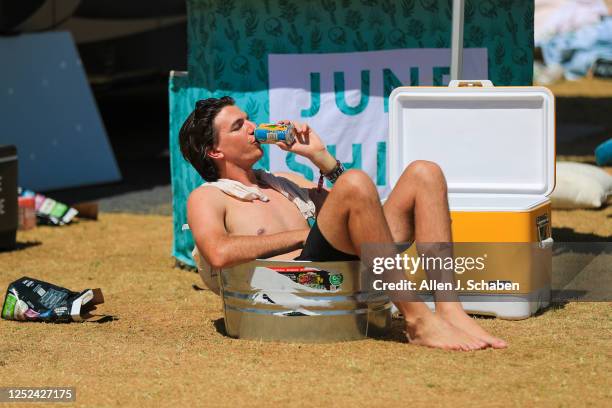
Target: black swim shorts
x,y
317,248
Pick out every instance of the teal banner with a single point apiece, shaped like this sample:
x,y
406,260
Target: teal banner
x,y
229,40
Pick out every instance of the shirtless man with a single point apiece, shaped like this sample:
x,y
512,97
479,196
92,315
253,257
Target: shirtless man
x,y
218,140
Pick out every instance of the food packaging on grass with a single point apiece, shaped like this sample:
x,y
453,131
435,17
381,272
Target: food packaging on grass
x,y
34,300
50,211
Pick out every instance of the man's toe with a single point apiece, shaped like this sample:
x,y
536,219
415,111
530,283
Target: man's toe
x,y
499,344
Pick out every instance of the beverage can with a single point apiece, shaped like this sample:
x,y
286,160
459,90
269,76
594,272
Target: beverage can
x,y
272,133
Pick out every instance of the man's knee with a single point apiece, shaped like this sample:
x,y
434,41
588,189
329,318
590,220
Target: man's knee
x,y
356,184
427,173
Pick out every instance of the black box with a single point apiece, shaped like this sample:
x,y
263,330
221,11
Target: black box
x,y
8,196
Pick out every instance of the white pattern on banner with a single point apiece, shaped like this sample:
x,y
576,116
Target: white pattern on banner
x,y
349,108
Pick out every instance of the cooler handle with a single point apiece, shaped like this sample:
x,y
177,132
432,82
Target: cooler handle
x,y
472,83
547,243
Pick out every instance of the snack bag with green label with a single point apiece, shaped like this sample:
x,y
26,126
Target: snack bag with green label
x,y
33,300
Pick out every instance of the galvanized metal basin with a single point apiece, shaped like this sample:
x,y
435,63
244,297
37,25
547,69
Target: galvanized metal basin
x,y
300,301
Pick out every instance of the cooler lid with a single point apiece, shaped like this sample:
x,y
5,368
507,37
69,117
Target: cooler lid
x,y
486,139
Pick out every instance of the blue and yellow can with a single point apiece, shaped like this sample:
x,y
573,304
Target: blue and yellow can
x,y
272,133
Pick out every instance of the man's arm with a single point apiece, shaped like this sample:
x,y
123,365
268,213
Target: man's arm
x,y
206,218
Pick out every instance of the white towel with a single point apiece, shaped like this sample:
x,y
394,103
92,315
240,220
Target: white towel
x,y
288,188
237,189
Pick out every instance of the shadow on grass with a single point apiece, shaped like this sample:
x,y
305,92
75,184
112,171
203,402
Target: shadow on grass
x,y
88,318
104,319
183,266
220,326
569,235
395,334
20,246
558,304
396,331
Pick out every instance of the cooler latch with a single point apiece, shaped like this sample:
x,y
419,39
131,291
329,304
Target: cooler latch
x,y
472,83
544,233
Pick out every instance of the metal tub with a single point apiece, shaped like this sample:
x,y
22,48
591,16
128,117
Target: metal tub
x,y
301,301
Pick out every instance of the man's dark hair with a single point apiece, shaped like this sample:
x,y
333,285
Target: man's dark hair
x,y
198,135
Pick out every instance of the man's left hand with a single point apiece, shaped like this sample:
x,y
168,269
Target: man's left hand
x,y
309,144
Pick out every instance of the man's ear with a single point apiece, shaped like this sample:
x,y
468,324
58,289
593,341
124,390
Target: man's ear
x,y
215,153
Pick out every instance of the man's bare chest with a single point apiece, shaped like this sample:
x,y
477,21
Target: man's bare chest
x,y
262,218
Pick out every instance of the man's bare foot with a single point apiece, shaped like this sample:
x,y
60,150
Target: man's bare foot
x,y
433,331
454,314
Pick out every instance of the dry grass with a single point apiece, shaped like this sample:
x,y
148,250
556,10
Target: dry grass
x,y
583,225
164,348
585,88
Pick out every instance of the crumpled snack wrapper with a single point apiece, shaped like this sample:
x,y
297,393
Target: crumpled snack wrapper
x,y
30,299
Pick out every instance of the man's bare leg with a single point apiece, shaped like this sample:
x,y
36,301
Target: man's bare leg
x,y
417,210
351,216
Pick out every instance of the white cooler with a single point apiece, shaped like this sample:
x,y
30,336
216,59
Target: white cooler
x,y
496,146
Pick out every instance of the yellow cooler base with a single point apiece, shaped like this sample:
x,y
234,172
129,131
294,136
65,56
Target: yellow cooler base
x,y
500,235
